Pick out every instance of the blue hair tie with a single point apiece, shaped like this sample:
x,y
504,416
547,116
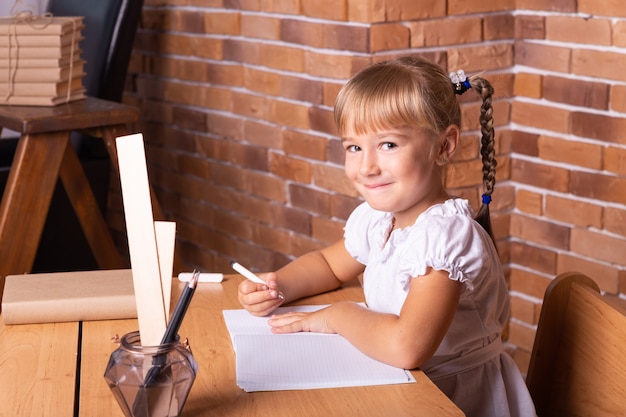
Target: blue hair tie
x,y
486,199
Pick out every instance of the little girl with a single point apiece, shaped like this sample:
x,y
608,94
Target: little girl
x,y
434,287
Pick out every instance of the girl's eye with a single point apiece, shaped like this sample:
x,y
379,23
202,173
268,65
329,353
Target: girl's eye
x,y
388,145
352,148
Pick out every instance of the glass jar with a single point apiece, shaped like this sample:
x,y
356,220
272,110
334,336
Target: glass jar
x,y
150,381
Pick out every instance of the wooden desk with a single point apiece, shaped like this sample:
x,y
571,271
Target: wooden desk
x,y
38,369
44,153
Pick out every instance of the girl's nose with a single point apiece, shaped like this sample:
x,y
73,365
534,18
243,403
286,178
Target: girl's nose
x,y
369,163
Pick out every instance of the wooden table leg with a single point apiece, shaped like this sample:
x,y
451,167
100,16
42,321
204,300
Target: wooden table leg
x,y
26,199
88,213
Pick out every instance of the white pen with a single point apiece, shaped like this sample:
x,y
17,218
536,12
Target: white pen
x,y
246,273
249,275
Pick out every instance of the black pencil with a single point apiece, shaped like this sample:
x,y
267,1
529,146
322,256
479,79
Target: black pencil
x,y
181,308
172,327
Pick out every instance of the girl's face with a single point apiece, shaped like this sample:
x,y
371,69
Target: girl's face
x,y
397,171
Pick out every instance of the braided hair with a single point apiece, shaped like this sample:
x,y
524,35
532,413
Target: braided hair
x,y
460,84
487,151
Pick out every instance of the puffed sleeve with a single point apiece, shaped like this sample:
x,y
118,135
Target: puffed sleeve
x,y
456,244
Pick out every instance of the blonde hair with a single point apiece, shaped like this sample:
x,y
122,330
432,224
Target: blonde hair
x,y
406,91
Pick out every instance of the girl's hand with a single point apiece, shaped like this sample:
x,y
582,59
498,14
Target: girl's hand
x,y
301,322
260,300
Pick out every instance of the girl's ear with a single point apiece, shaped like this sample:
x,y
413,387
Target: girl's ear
x,y
448,144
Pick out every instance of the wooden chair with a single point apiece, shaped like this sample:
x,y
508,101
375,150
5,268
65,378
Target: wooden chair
x,y
578,362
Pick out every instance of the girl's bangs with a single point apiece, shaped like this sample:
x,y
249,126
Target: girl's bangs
x,y
362,111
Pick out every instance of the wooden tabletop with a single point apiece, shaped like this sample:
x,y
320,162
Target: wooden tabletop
x,y
49,350
81,114
38,369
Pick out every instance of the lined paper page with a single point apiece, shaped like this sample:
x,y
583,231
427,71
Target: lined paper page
x,y
270,362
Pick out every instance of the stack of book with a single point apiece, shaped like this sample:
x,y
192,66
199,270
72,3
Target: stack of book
x,y
40,61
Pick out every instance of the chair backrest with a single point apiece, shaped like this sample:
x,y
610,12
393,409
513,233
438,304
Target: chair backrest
x,y
578,362
110,27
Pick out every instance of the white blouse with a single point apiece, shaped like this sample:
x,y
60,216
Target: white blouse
x,y
470,365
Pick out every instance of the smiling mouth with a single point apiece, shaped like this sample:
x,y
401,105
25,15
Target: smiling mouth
x,y
375,186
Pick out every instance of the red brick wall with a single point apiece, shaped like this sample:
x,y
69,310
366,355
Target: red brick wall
x,y
568,151
236,99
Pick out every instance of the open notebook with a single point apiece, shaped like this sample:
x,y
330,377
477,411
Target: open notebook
x,y
270,362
